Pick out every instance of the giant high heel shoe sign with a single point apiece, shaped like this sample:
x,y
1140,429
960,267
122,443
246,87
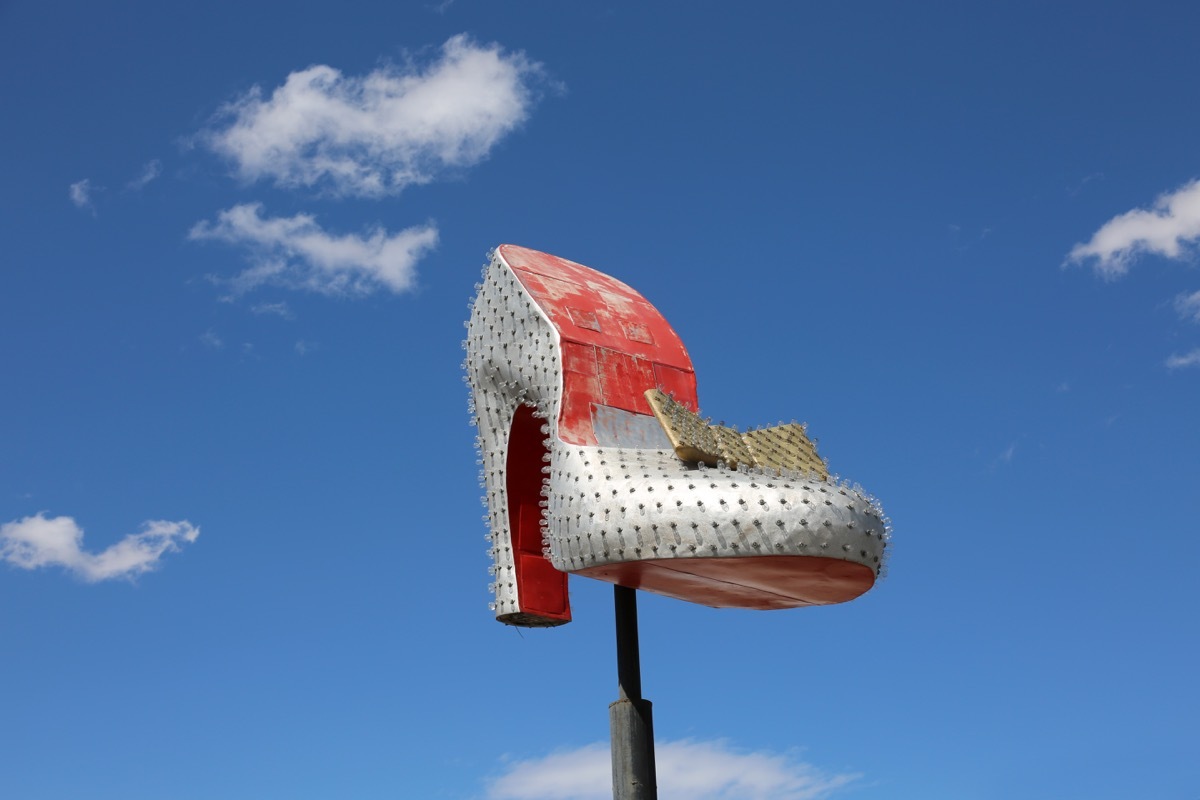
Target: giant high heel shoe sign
x,y
595,462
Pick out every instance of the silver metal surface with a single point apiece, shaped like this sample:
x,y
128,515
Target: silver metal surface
x,y
611,504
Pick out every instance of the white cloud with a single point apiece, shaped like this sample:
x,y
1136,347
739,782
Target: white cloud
x,y
1188,306
150,171
687,770
1191,359
280,309
1165,230
296,252
38,541
210,339
376,134
81,194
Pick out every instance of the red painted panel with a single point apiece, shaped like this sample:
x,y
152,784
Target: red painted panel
x,y
541,589
579,358
584,319
624,380
580,392
678,383
559,285
615,345
637,332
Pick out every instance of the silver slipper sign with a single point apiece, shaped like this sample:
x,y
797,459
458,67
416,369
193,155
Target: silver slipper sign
x,y
595,461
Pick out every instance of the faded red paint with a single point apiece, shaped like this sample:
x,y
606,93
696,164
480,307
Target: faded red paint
x,y
615,344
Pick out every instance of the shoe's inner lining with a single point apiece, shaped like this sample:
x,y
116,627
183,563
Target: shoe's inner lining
x,y
541,589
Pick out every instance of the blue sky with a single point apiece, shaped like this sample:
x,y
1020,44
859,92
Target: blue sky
x,y
243,550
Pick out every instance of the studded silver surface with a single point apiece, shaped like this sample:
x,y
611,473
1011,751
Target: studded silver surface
x,y
605,505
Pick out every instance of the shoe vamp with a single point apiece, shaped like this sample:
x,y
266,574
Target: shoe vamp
x,y
609,504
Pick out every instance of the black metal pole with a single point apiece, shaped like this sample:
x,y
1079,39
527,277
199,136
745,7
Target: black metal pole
x,y
630,718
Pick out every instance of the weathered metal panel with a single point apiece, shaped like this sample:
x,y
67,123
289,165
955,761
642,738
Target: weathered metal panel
x,y
559,358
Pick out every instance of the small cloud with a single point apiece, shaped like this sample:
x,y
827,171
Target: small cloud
x,y
1191,359
1006,457
150,171
303,348
210,339
297,253
686,770
81,194
376,134
280,309
1188,306
1075,190
1167,230
38,541
1062,388
964,238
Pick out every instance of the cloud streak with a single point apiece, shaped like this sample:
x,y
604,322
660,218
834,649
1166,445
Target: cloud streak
x,y
1166,229
39,541
687,770
297,253
280,309
1188,306
80,193
1191,359
374,135
150,172
211,339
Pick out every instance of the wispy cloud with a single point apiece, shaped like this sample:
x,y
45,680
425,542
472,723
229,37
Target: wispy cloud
x,y
297,253
1166,229
966,238
210,339
151,170
374,135
280,309
81,194
1188,306
1191,359
687,770
1077,188
39,541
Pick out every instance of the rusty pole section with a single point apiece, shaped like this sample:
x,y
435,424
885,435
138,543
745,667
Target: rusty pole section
x,y
630,718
